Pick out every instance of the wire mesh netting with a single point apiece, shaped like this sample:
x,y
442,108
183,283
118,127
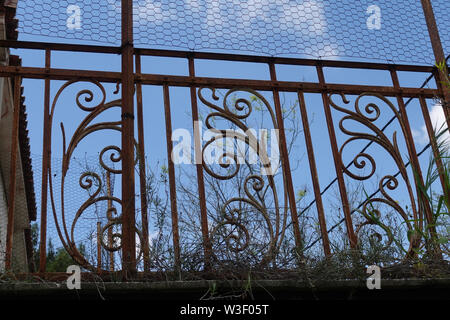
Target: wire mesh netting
x,y
393,31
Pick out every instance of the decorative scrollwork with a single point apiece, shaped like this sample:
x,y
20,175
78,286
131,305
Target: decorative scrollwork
x,y
371,114
116,156
235,111
89,181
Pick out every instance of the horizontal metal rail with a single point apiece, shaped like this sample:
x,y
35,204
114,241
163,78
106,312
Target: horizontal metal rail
x,y
186,81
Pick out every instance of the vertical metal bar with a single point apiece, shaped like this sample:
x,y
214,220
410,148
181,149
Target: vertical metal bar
x,y
172,183
337,161
285,163
314,176
46,154
411,149
12,174
417,171
128,188
99,247
110,211
439,56
198,162
433,142
142,174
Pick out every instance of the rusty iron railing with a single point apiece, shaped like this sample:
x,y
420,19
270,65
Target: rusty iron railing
x,y
335,97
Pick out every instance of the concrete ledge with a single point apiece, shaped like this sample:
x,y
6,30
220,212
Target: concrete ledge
x,y
398,289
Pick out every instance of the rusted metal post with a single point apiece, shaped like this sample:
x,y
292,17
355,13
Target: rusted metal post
x,y
110,212
439,56
406,128
207,248
142,174
418,218
172,185
337,162
46,154
12,174
99,247
128,188
424,205
314,176
286,165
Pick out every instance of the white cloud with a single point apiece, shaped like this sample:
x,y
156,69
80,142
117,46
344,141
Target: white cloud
x,y
300,18
308,13
193,4
150,7
149,10
152,236
153,12
323,51
214,15
307,17
439,124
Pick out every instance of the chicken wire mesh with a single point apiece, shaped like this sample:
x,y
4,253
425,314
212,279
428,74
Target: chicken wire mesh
x,y
384,30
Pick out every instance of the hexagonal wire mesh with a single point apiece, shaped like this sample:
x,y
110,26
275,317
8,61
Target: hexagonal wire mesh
x,y
309,28
325,29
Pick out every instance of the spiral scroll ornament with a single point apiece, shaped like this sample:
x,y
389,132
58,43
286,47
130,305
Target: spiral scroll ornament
x,y
237,107
91,182
367,116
